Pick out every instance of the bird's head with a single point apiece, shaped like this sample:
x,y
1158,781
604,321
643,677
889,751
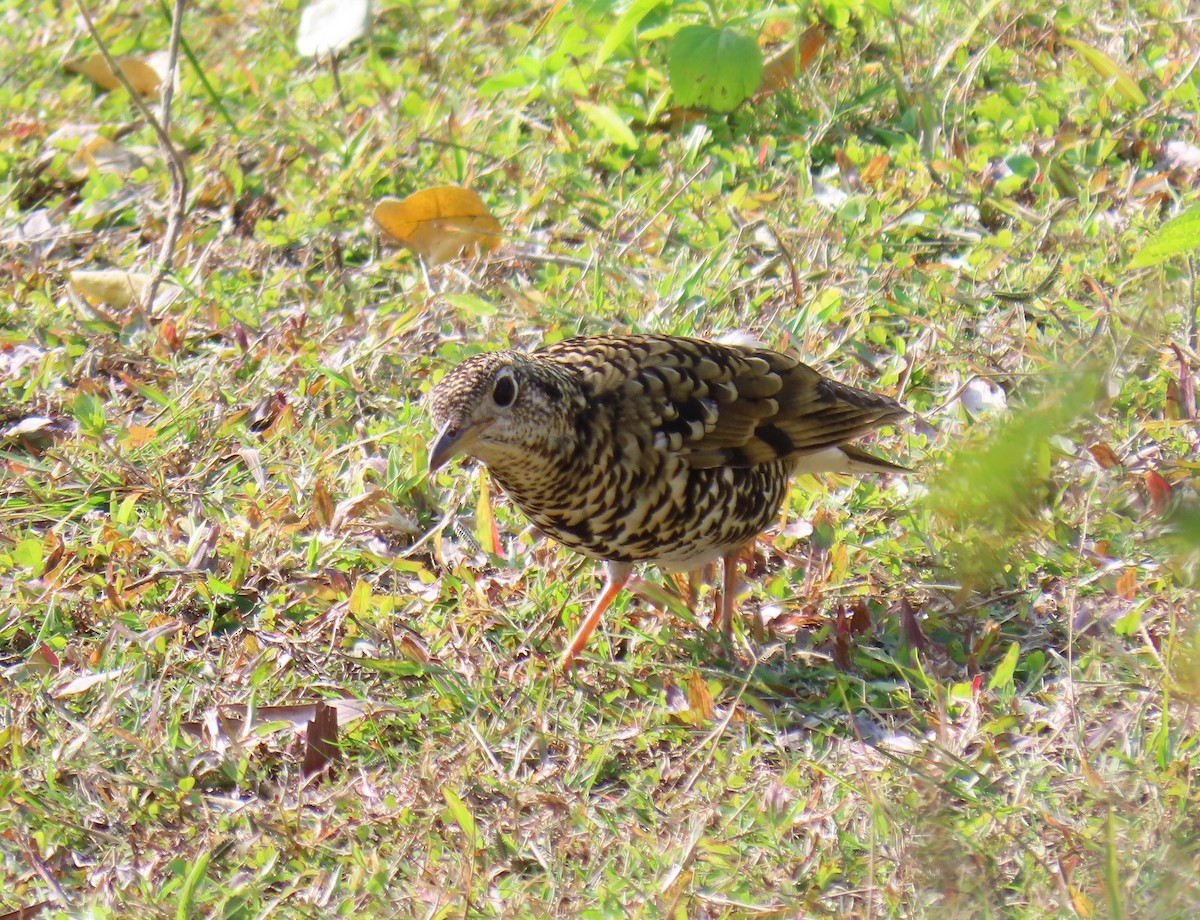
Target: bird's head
x,y
494,406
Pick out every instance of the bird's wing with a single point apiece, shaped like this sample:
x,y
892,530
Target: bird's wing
x,y
723,405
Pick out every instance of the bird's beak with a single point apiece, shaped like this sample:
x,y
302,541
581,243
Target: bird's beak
x,y
445,445
452,441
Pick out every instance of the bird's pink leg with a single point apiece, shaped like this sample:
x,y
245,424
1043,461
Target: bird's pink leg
x,y
618,573
729,585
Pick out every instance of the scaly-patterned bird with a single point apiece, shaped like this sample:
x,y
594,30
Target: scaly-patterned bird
x,y
652,448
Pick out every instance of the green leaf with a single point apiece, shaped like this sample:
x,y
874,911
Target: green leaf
x,y
89,412
1109,69
28,554
623,28
716,69
1003,675
993,489
187,893
395,666
609,122
472,304
1181,234
461,814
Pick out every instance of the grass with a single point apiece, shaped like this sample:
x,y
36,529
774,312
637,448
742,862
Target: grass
x,y
977,694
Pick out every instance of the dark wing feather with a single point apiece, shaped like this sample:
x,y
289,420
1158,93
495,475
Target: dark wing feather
x,y
722,405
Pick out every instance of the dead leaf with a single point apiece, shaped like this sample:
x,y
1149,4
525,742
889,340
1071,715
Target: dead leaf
x,y
440,224
115,289
99,154
1179,155
860,620
1126,586
781,68
413,649
136,436
875,168
37,432
350,508
1185,385
674,698
322,505
1104,455
841,641
26,913
43,660
700,701
1160,491
911,626
118,289
85,682
1084,906
233,724
320,741
144,72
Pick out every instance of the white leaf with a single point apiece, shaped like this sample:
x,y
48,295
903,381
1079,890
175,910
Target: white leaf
x,y
980,397
329,25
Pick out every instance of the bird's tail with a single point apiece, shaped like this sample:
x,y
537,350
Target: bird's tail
x,y
845,459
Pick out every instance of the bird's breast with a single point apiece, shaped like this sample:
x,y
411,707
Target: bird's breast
x,y
621,499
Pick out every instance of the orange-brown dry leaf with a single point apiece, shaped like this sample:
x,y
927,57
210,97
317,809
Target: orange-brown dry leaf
x,y
322,504
1126,586
875,168
782,68
136,436
700,701
144,74
1160,491
440,224
1104,455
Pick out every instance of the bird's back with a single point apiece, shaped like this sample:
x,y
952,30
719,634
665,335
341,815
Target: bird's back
x,y
680,449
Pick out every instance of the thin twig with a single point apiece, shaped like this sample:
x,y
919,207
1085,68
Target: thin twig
x,y
175,168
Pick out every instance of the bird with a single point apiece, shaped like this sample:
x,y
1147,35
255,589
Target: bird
x,y
646,448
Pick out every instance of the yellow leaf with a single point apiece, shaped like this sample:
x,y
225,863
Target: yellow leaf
x,y
104,156
360,598
614,127
440,224
136,436
1109,69
1082,903
112,288
486,531
143,73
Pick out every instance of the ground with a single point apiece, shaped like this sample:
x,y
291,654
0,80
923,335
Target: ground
x,y
975,691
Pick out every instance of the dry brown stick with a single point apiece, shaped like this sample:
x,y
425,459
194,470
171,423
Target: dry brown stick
x,y
176,172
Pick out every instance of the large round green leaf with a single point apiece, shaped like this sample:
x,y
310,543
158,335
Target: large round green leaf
x,y
712,68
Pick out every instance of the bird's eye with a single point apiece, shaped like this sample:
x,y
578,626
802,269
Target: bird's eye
x,y
504,391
